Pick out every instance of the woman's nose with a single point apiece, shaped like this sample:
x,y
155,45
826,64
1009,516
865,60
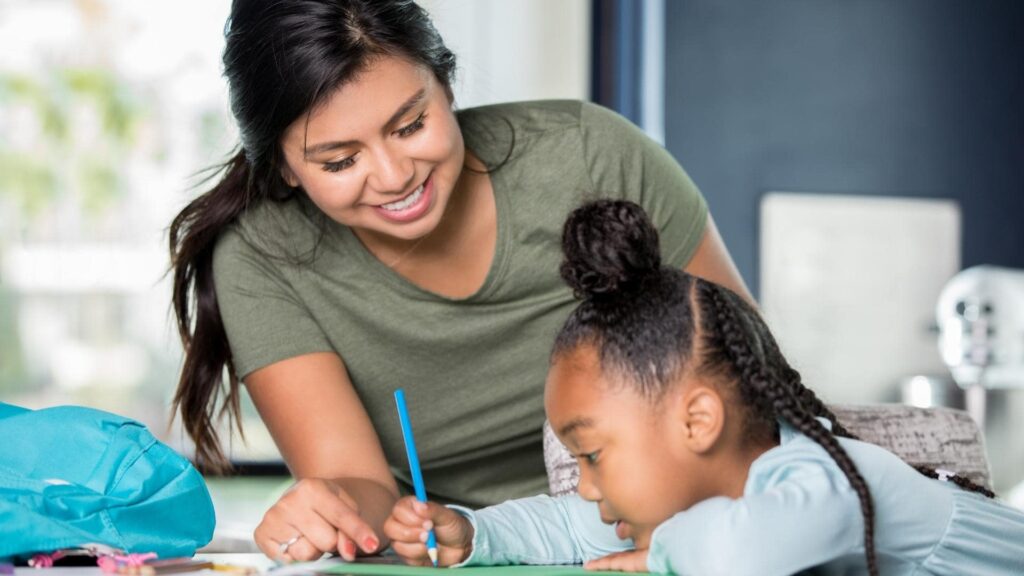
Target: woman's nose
x,y
393,172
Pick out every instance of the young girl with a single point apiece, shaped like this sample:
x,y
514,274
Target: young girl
x,y
700,450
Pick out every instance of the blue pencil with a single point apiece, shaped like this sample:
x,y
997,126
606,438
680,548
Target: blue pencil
x,y
414,466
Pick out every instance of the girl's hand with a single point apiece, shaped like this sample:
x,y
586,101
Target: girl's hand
x,y
631,561
408,525
323,516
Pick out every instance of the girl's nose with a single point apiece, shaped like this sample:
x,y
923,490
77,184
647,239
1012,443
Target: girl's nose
x,y
393,172
587,488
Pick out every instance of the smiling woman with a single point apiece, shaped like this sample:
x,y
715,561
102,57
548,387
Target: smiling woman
x,y
368,236
381,156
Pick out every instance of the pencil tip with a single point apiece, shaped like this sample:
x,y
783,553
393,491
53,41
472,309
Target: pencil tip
x,y
433,556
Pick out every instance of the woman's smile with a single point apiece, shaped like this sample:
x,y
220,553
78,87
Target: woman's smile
x,y
411,206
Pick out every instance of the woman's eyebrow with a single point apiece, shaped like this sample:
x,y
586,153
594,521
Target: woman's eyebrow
x,y
402,111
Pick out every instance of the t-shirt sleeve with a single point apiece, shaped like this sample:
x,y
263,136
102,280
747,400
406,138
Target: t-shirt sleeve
x,y
623,162
264,318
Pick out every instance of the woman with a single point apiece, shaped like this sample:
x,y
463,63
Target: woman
x,y
369,237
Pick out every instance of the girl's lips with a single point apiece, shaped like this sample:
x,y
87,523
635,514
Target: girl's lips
x,y
414,211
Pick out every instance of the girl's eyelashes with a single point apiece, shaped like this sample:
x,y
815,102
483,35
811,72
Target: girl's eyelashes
x,y
407,130
591,457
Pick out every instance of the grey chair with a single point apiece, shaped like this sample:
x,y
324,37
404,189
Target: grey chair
x,y
936,437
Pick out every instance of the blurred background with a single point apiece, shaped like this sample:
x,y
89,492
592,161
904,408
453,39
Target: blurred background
x,y
856,156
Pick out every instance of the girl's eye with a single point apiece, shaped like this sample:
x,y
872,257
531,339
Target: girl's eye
x,y
339,165
412,127
591,457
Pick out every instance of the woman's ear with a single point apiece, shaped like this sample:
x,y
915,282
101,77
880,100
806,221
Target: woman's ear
x,y
702,414
289,176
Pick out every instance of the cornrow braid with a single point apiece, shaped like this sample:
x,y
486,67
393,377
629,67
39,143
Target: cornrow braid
x,y
780,399
809,399
792,380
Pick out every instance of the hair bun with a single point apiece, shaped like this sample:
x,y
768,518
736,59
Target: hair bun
x,y
610,248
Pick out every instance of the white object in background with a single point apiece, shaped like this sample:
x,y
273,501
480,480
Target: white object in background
x,y
980,314
509,50
848,285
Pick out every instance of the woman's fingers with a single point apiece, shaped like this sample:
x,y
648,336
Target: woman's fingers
x,y
349,531
352,531
326,518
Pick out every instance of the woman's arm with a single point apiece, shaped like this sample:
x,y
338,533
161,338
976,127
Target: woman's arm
x,y
345,489
712,262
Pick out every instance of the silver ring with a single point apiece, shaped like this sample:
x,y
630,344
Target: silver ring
x,y
283,548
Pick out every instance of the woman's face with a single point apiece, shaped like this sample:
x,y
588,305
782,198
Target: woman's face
x,y
382,155
632,462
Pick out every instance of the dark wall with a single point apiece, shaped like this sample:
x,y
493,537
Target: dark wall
x,y
917,98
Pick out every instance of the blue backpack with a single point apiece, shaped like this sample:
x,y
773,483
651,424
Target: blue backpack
x,y
71,476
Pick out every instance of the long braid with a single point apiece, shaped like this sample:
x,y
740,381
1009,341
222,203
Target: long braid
x,y
809,399
791,378
962,481
782,399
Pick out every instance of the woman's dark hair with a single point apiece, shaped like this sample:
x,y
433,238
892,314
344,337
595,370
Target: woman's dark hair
x,y
282,58
651,323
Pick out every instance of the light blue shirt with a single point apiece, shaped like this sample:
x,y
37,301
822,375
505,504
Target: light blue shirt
x,y
798,511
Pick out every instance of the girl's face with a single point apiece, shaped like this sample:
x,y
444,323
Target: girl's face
x,y
382,155
632,460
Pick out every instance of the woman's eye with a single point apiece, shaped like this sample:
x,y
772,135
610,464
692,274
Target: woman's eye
x,y
412,127
339,165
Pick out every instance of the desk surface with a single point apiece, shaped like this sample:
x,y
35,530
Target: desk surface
x,y
330,566
257,561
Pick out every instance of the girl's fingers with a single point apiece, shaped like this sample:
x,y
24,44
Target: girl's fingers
x,y
400,532
405,512
631,561
414,554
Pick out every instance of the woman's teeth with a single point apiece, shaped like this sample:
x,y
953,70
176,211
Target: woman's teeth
x,y
405,202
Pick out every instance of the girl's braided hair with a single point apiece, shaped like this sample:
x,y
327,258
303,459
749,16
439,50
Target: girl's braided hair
x,y
650,323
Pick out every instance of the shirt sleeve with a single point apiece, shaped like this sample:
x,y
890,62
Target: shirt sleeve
x,y
623,162
540,530
805,520
264,318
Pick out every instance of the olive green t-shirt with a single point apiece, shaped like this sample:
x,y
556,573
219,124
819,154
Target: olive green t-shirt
x,y
289,282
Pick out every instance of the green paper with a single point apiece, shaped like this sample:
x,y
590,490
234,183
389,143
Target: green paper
x,y
358,569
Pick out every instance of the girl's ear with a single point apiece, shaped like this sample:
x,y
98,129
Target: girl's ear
x,y
702,414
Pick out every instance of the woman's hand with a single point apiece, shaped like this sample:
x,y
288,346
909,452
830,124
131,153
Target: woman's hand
x,y
630,561
408,525
323,516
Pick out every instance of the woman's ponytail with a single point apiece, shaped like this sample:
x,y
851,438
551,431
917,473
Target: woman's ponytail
x,y
193,236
